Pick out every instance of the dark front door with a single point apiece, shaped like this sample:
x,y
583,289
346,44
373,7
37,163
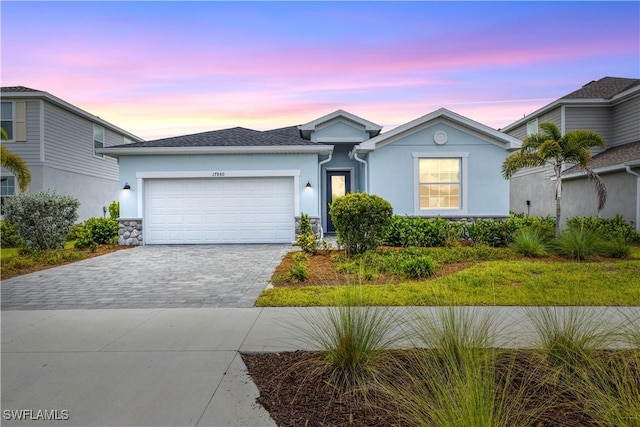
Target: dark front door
x,y
338,184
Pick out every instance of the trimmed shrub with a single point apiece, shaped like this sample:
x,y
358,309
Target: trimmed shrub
x,y
407,231
114,210
42,219
97,231
9,235
361,221
307,240
496,233
75,232
417,267
608,228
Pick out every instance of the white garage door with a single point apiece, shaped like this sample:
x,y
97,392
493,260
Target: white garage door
x,y
222,210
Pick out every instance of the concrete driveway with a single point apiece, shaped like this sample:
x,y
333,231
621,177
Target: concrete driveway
x,y
180,276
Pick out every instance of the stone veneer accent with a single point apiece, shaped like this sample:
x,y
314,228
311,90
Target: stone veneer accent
x,y
315,225
130,231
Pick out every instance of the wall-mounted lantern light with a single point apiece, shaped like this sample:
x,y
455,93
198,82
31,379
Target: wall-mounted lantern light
x,y
126,186
308,184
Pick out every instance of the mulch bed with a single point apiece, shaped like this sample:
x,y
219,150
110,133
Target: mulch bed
x,y
321,272
297,391
101,250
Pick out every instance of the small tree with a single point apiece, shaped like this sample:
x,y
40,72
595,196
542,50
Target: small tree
x,y
550,148
114,209
361,221
43,219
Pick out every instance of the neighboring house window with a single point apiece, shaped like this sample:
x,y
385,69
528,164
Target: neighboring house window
x,y
532,127
98,139
440,183
7,189
7,118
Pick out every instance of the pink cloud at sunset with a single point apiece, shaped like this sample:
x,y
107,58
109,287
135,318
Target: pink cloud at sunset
x,y
168,68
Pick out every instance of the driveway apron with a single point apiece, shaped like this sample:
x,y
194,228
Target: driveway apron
x,y
175,276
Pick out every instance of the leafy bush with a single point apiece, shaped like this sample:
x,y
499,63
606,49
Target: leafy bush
x,y
418,267
528,242
96,231
114,210
298,272
361,221
75,232
9,235
42,219
578,244
422,232
434,232
307,240
607,228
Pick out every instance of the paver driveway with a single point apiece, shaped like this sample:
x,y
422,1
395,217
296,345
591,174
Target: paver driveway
x,y
150,277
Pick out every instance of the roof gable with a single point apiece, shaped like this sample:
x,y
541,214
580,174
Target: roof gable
x,y
308,128
496,137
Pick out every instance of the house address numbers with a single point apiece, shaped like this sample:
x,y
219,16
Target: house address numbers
x,y
218,174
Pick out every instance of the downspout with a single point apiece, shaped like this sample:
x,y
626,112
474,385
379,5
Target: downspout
x,y
364,162
327,160
637,175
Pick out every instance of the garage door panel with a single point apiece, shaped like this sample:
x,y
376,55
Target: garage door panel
x,y
229,210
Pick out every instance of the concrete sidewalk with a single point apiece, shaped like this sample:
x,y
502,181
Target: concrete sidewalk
x,y
165,367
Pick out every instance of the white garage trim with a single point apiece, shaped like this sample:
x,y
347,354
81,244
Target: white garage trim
x,y
220,174
220,209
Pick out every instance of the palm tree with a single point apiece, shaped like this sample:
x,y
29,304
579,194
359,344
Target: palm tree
x,y
550,148
15,164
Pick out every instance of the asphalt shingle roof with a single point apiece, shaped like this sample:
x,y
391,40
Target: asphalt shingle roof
x,y
613,156
17,89
234,137
605,88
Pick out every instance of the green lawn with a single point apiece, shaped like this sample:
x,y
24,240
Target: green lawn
x,y
501,282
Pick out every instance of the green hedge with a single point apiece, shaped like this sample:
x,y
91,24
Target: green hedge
x,y
608,228
407,231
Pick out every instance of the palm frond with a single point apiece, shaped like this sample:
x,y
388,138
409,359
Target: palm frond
x,y
550,130
551,149
17,166
520,160
599,186
3,135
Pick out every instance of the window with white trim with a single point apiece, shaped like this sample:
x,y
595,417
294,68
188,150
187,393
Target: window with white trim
x,y
440,184
98,139
7,189
532,127
6,118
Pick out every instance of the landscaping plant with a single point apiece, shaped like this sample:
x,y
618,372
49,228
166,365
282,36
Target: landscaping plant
x,y
114,210
361,221
97,231
529,243
307,239
42,219
9,235
578,244
351,337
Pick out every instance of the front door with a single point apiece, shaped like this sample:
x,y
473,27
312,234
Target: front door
x,y
338,184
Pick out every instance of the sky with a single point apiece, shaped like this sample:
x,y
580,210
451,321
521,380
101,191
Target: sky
x,y
160,69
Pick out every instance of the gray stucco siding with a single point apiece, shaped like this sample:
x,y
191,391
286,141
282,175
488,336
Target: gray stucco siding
x,y
393,171
307,164
538,189
579,197
626,122
69,144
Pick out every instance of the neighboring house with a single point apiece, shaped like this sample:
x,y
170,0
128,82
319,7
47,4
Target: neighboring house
x,y
245,186
611,107
58,141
